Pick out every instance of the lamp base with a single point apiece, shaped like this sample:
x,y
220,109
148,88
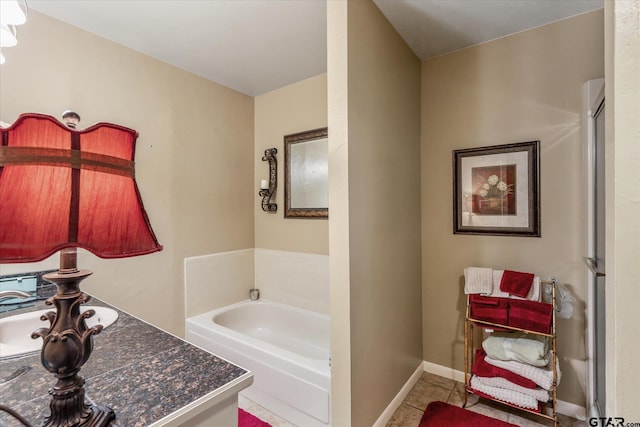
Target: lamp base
x,y
67,345
70,409
102,416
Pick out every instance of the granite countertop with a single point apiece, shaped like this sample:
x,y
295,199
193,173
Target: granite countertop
x,y
142,372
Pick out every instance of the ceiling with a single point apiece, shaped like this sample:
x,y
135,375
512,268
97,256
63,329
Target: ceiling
x,y
256,46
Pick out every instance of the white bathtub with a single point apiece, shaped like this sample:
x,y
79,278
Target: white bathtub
x,y
285,347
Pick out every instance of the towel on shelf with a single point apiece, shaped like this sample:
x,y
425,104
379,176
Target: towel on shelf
x,y
516,283
537,393
478,280
530,349
489,309
509,396
517,313
533,295
531,315
542,376
483,369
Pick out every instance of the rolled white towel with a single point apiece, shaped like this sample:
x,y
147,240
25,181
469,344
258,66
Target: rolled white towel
x,y
478,280
526,348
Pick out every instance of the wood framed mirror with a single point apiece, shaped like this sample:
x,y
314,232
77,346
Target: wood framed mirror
x,y
306,164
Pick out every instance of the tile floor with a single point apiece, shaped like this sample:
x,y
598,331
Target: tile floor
x,y
254,409
430,388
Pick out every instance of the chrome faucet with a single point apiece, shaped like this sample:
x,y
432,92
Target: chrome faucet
x,y
14,294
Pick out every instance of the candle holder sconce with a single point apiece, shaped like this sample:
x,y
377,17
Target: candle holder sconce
x,y
270,191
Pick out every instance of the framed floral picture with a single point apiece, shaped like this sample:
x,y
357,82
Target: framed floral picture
x,y
496,190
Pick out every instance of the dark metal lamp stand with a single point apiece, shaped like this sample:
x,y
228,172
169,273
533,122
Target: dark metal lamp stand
x,y
67,345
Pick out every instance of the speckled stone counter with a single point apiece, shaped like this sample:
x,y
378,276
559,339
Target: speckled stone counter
x,y
148,377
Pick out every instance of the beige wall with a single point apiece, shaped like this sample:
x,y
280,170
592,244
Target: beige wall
x,y
339,242
194,156
378,141
622,94
520,88
295,108
195,134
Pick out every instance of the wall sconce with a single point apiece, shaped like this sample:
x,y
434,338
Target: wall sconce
x,y
268,189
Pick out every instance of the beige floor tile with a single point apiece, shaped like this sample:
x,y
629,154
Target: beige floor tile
x,y
490,409
524,422
528,420
438,380
245,403
457,396
430,388
405,416
522,419
425,392
262,413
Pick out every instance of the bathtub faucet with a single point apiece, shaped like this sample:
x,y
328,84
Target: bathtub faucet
x,y
254,294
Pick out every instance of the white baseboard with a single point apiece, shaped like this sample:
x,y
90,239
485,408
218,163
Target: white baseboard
x,y
386,415
443,371
565,408
572,410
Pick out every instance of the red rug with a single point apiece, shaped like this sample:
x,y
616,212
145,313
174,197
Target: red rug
x,y
439,414
245,419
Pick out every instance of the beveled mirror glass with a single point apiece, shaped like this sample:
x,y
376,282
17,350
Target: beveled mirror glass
x,y
306,187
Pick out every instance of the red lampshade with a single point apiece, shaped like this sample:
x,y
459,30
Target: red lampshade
x,y
62,188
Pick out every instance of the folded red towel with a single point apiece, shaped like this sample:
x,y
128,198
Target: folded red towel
x,y
516,283
483,369
489,309
531,315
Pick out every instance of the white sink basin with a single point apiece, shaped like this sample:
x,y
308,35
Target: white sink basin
x,y
15,331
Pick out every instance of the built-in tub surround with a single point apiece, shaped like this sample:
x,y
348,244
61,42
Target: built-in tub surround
x,y
299,284
287,349
215,280
149,378
294,278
